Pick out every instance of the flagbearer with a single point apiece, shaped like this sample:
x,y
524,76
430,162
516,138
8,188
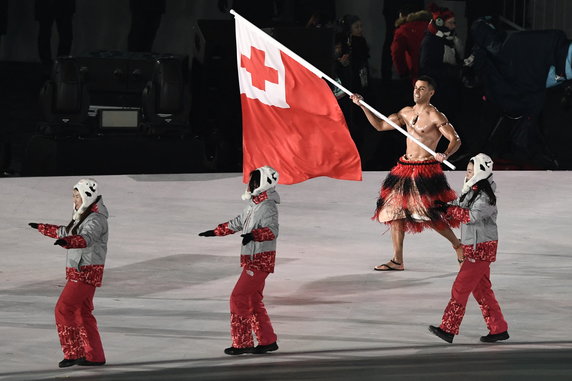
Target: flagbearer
x,y
407,197
259,223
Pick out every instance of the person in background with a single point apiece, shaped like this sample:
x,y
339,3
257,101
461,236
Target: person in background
x,y
406,45
358,52
441,58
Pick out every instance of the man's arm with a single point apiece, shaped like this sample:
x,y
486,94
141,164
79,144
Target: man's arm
x,y
450,134
377,123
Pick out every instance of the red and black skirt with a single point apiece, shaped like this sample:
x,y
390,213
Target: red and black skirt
x,y
409,192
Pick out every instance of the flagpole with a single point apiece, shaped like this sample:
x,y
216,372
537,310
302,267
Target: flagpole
x,y
321,74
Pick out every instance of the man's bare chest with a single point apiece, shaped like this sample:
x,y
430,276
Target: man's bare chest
x,y
419,125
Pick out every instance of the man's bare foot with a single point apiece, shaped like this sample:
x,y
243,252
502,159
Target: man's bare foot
x,y
390,266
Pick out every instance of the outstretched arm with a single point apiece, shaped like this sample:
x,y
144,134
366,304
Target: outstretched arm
x,y
377,123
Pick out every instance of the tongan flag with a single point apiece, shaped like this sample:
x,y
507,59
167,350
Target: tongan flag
x,y
290,118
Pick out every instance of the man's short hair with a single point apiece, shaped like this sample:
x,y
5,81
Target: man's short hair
x,y
429,80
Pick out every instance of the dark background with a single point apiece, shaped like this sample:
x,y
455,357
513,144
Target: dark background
x,y
199,31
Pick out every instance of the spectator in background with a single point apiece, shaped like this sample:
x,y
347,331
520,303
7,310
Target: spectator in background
x,y
352,71
515,69
475,10
145,20
406,46
441,57
343,75
342,69
391,9
358,52
46,12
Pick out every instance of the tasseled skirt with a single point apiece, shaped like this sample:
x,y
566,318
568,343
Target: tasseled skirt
x,y
409,193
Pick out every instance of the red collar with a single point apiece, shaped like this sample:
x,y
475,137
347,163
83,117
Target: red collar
x,y
261,197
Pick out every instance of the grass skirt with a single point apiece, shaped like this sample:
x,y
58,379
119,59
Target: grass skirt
x,y
409,192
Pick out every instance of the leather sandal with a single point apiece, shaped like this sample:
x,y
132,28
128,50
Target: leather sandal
x,y
386,267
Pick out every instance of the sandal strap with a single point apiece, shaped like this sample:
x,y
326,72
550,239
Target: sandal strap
x,y
394,262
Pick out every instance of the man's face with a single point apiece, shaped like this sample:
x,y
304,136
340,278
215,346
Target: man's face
x,y
422,92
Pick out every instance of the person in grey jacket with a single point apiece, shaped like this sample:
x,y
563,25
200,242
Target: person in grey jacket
x,y
85,237
477,211
259,224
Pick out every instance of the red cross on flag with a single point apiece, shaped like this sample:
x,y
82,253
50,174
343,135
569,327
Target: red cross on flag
x,y
291,120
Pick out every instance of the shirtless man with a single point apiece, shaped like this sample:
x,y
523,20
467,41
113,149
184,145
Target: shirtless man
x,y
410,195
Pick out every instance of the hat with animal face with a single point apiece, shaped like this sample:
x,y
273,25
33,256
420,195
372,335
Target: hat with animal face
x,y
268,179
482,169
88,191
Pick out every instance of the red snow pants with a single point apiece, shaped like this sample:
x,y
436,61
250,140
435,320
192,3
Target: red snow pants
x,y
247,311
77,327
473,277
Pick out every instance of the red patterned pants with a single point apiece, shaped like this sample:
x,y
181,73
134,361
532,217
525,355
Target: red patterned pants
x,y
474,277
77,327
247,311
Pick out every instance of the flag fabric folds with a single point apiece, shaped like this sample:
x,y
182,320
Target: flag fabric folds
x,y
291,119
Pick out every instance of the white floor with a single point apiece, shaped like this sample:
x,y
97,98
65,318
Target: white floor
x,y
163,307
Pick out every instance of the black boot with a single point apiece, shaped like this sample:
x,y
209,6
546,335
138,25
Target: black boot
x,y
84,362
494,338
238,351
266,348
69,362
437,331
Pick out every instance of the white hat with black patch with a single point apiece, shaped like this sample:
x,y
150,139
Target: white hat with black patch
x,y
268,179
88,190
482,169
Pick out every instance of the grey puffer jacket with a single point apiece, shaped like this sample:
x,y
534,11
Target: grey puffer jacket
x,y
258,216
85,261
482,225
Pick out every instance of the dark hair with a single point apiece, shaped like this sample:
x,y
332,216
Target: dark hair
x,y
482,186
429,80
347,21
254,181
81,218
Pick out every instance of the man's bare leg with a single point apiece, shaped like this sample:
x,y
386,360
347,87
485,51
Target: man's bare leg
x,y
397,237
452,237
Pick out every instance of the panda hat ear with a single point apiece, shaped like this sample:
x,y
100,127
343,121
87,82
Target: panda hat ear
x,y
88,191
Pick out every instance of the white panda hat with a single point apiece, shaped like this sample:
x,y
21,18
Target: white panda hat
x,y
482,169
268,179
88,190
